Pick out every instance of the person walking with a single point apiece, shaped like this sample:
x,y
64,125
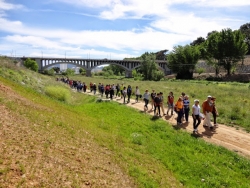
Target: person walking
x,y
121,90
112,91
152,95
196,115
157,108
162,103
94,88
207,107
214,111
186,107
107,88
179,110
102,90
124,94
117,89
129,92
146,97
170,103
137,93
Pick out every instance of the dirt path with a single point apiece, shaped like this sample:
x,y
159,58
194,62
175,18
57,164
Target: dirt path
x,y
228,137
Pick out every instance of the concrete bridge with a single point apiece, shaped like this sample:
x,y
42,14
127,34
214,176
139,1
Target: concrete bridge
x,y
89,64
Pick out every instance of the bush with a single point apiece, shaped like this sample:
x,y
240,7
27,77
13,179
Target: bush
x,y
58,92
31,64
199,70
50,72
158,75
210,78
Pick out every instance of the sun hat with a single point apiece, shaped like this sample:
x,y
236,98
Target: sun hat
x,y
209,96
196,100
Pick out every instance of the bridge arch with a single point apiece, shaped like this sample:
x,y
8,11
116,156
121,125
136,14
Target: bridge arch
x,y
89,64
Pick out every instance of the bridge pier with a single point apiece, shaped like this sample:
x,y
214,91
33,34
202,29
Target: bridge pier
x,y
88,73
128,74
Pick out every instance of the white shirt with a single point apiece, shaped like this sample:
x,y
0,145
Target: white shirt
x,y
137,91
124,92
196,109
146,95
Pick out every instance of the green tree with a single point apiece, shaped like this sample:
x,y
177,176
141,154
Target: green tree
x,y
50,72
115,69
82,71
212,52
226,48
182,60
31,64
148,65
68,72
56,69
198,41
245,29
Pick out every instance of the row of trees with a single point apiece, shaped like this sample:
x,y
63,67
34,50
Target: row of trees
x,y
220,49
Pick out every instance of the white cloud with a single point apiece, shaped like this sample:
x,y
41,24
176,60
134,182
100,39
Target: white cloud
x,y
188,24
89,3
9,6
167,28
122,9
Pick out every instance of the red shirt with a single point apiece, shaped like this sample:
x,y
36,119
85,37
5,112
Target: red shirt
x,y
170,99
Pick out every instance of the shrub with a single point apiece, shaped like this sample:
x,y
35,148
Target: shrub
x,y
50,72
58,92
68,72
199,70
31,64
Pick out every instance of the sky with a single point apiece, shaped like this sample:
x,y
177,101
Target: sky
x,y
112,29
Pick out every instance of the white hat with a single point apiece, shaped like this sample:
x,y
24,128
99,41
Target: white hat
x,y
209,96
196,100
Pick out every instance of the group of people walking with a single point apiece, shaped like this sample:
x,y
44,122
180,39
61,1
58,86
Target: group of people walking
x,y
181,107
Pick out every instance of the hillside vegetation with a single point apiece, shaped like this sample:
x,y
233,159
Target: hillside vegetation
x,y
73,141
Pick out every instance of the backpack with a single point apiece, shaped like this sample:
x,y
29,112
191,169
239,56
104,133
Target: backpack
x,y
129,90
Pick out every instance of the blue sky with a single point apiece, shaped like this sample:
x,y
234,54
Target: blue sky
x,y
112,29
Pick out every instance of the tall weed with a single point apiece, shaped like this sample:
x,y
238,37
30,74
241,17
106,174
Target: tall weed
x,y
58,92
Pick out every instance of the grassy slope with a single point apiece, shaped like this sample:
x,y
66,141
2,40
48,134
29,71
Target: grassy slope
x,y
150,151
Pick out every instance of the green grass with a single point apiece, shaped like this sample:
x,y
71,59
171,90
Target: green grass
x,y
232,100
151,151
58,92
188,158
